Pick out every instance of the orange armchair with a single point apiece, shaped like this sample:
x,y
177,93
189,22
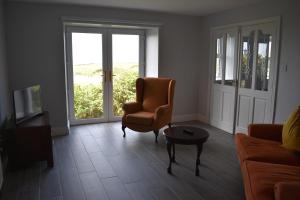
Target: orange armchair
x,y
153,107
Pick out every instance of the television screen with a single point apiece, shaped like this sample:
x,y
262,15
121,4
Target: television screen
x,y
27,103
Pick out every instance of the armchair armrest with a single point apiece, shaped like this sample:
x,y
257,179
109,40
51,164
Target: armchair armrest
x,y
131,107
266,131
161,111
287,190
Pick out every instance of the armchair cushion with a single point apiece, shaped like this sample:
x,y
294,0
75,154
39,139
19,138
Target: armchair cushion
x,y
141,118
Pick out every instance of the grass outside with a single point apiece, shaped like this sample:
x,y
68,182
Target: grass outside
x,y
88,89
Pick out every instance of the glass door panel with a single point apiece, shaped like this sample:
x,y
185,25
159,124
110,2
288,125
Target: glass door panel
x,y
125,69
87,61
263,62
247,60
219,62
230,74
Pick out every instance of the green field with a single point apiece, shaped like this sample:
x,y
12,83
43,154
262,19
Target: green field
x,y
88,90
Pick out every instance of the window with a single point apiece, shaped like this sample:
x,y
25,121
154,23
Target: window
x,y
219,60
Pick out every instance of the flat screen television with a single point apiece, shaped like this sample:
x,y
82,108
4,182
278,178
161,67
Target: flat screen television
x,y
27,103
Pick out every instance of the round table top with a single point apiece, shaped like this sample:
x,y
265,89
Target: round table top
x,y
186,135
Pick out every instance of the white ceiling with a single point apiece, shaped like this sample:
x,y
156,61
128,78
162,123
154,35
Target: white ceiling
x,y
189,7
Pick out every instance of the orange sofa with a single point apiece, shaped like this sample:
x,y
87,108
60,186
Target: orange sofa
x,y
269,170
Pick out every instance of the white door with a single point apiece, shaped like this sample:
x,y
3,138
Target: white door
x,y
223,91
257,75
102,66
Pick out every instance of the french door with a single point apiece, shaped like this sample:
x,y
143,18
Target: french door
x,y
244,62
224,80
102,66
256,93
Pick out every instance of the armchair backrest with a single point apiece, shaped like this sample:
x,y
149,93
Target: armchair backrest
x,y
155,92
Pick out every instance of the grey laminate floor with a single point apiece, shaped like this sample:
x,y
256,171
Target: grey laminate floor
x,y
96,162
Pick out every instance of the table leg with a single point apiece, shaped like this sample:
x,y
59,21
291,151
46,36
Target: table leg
x,y
199,150
173,157
169,146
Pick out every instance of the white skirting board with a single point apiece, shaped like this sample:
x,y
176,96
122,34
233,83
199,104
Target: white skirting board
x,y
190,117
57,131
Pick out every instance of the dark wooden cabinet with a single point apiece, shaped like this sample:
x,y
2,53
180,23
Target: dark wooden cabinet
x,y
31,141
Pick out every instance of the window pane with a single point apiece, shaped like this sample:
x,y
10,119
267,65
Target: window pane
x,y
247,60
219,61
230,57
125,60
263,61
87,79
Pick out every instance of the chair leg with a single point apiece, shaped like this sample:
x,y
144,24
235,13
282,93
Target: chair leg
x,y
169,124
156,135
123,129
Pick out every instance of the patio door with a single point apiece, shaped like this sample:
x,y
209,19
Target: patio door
x,y
102,66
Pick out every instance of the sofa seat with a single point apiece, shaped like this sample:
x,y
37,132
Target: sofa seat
x,y
251,148
142,118
261,179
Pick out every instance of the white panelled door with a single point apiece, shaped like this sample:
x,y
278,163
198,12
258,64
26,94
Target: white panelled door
x,y
256,92
244,63
224,79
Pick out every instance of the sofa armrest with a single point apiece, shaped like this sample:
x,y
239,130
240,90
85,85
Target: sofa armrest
x,y
287,190
131,107
266,131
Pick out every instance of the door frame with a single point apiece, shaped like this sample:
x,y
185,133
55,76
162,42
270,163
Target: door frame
x,y
277,24
107,66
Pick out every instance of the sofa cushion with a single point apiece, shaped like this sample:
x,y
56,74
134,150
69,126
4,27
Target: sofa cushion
x,y
250,148
260,178
287,190
142,118
291,131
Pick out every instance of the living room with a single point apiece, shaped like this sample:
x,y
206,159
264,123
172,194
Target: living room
x,y
33,52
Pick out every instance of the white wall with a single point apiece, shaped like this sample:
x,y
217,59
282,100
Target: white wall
x,y
35,51
288,96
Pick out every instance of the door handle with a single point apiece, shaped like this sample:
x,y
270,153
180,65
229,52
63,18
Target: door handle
x,y
110,75
104,76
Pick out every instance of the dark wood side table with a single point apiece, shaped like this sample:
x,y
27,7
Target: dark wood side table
x,y
186,135
31,141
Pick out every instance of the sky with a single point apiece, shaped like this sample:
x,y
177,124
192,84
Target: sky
x,y
87,48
